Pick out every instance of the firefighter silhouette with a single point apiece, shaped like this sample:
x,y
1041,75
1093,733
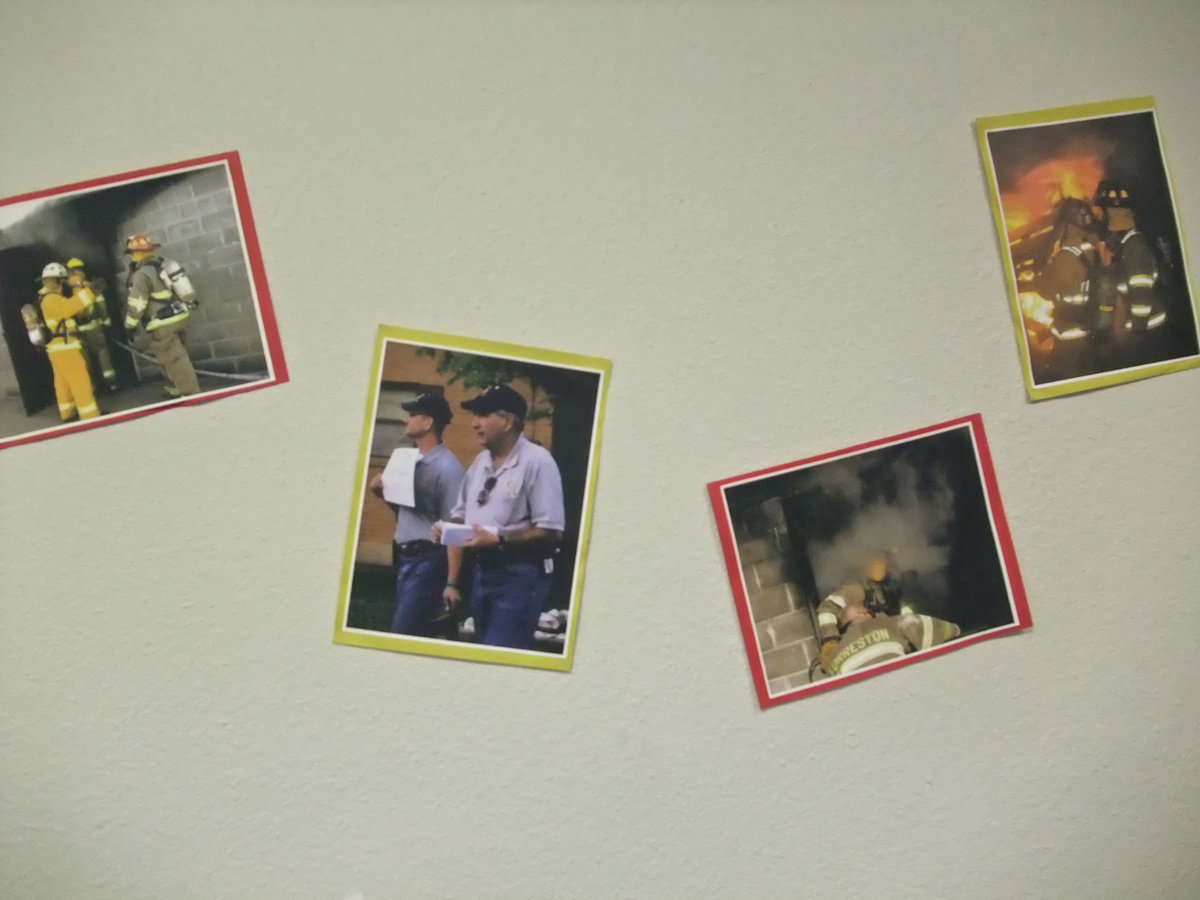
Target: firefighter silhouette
x,y
1080,319
1129,265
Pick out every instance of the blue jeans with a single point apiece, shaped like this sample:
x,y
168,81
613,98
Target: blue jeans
x,y
507,599
420,579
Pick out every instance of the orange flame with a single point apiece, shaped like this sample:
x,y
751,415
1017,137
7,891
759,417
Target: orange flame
x,y
1044,185
1038,315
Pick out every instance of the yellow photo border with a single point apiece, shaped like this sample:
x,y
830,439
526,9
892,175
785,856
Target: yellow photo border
x,y
1048,117
433,647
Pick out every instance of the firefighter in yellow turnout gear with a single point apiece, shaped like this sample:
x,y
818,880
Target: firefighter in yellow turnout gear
x,y
165,312
72,384
91,332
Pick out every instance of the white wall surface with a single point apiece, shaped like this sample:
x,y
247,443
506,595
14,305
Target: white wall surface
x,y
772,217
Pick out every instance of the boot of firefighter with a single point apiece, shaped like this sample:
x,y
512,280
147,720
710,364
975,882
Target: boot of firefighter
x,y
172,356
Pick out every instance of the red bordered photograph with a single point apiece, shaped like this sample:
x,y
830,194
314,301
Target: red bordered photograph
x,y
131,294
860,561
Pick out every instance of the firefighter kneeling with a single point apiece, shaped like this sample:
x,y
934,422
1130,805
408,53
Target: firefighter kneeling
x,y
867,639
878,592
161,293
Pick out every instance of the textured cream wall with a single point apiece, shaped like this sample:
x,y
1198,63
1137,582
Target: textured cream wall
x,y
772,217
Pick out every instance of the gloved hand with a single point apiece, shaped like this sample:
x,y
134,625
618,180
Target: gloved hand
x,y
828,650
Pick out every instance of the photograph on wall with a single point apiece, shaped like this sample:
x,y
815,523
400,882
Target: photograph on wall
x,y
131,294
472,500
860,561
1092,245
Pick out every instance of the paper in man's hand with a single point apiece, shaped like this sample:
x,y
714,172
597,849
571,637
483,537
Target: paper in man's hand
x,y
455,535
398,476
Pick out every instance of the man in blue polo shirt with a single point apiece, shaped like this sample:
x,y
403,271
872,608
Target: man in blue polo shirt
x,y
512,496
421,566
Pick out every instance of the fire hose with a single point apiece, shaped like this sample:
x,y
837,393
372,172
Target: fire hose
x,y
149,358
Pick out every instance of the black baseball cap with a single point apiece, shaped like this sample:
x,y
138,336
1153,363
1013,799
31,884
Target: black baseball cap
x,y
432,405
497,398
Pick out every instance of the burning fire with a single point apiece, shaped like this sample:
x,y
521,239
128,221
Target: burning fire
x,y
1044,185
1038,315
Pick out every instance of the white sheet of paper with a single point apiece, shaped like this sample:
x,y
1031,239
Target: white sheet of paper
x,y
398,476
455,535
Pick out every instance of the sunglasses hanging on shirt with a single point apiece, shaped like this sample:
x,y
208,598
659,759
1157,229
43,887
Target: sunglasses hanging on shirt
x,y
487,491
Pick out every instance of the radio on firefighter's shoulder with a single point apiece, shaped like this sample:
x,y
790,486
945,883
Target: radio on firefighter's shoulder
x,y
177,279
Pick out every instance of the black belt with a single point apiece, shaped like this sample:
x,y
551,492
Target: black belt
x,y
494,556
409,548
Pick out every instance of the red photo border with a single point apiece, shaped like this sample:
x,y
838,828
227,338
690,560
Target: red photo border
x,y
1012,574
250,247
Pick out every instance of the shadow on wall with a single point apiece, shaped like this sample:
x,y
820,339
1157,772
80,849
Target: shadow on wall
x,y
192,216
25,369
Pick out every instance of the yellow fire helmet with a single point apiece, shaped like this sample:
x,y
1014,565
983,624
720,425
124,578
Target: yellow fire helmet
x,y
877,567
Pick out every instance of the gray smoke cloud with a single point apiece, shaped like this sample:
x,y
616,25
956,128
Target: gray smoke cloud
x,y
914,528
51,223
29,223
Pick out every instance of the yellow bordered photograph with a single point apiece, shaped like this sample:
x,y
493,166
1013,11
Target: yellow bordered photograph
x,y
1092,245
472,500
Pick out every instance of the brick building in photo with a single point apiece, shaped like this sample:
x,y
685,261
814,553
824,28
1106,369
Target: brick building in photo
x,y
781,608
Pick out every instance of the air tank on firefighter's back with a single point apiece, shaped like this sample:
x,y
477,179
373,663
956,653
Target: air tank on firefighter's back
x,y
181,286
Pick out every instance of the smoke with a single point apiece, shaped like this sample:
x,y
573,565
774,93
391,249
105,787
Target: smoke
x,y
13,213
48,223
31,222
913,526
